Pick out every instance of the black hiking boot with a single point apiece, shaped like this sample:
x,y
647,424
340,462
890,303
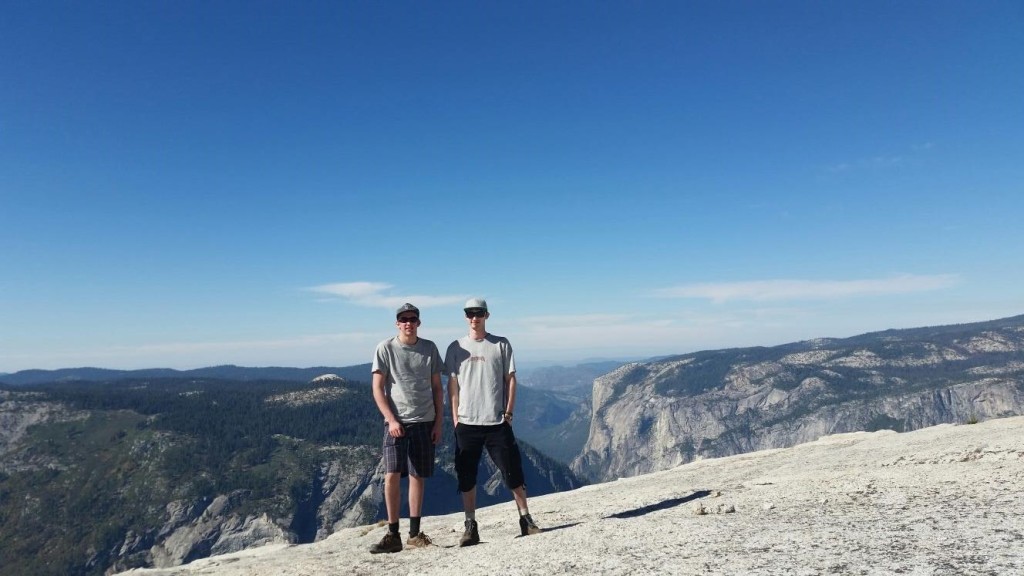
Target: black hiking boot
x,y
527,526
388,544
471,536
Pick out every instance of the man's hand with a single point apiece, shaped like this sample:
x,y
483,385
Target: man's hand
x,y
395,429
435,434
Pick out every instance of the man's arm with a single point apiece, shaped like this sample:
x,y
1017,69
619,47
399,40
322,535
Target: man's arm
x,y
394,426
510,381
453,398
435,386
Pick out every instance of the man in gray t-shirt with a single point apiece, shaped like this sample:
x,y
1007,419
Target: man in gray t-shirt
x,y
482,391
407,391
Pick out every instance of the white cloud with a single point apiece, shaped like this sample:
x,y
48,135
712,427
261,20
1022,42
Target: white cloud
x,y
766,290
352,289
376,295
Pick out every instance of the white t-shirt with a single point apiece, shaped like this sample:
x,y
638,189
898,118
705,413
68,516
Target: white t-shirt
x,y
407,371
481,367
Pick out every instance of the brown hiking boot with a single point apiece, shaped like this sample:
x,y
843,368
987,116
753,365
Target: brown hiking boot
x,y
471,535
527,526
420,540
388,544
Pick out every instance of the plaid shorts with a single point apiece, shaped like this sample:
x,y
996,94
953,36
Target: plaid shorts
x,y
412,453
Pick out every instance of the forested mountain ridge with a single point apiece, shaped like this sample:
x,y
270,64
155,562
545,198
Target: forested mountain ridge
x,y
358,372
134,472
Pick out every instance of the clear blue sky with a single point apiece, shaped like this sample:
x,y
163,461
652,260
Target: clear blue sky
x,y
185,184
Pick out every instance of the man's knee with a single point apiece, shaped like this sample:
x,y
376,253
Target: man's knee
x,y
465,474
514,480
510,462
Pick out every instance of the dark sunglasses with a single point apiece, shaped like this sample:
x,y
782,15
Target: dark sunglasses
x,y
475,313
406,319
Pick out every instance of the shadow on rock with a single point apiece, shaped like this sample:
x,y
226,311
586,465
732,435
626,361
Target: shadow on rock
x,y
663,505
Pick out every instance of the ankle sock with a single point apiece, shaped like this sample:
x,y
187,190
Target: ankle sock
x,y
393,528
414,525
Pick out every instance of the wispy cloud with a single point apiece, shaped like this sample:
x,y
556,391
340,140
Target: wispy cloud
x,y
882,161
767,290
353,290
381,295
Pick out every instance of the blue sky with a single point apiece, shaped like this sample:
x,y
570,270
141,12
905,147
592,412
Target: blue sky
x,y
186,184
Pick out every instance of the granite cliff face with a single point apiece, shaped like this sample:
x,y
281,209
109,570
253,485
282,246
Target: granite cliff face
x,y
340,496
656,415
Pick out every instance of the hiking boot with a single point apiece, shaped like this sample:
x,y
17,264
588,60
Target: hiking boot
x,y
471,535
389,543
527,526
418,541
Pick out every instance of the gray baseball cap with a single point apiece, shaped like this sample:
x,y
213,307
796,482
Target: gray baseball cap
x,y
475,303
407,308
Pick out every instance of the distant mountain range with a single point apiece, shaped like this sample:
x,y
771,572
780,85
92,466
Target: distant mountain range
x,y
357,373
553,412
571,379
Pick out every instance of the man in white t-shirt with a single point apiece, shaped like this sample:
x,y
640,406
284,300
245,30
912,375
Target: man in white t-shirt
x,y
482,390
407,390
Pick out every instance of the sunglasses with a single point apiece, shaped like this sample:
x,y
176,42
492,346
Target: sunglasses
x,y
476,313
407,319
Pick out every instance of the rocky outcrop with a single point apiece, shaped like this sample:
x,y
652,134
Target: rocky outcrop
x,y
18,412
350,496
656,415
345,493
196,531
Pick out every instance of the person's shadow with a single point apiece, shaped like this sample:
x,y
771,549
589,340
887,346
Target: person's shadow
x,y
553,528
663,505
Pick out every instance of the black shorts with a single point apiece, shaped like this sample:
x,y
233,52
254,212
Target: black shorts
x,y
470,440
412,453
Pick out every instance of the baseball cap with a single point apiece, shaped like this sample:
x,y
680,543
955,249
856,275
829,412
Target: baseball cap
x,y
475,303
407,308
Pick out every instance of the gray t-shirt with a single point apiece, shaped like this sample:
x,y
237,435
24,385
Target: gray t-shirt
x,y
481,367
407,371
